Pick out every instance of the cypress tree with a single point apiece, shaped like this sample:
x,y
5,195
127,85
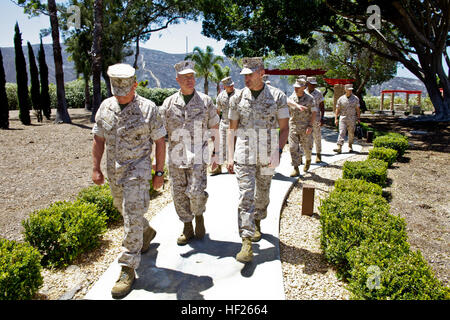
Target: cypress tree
x,y
35,87
43,74
21,79
4,107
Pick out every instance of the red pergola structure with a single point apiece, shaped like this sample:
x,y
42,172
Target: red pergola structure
x,y
408,92
333,82
295,72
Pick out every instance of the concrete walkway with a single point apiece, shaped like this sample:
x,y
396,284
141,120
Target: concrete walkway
x,y
207,268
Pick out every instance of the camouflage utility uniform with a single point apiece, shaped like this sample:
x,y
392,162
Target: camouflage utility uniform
x,y
258,118
347,117
223,105
187,126
317,135
129,135
298,123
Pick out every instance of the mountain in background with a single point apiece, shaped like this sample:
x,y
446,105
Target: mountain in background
x,y
157,67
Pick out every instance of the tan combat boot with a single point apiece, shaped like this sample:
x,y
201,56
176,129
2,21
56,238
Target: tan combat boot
x,y
216,171
350,147
124,283
318,158
295,173
199,227
307,165
257,236
149,234
188,233
246,253
338,149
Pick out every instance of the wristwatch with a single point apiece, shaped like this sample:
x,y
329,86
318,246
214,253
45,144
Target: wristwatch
x,y
159,173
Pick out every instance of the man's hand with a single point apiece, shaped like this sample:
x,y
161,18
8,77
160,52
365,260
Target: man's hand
x,y
302,108
321,122
336,122
97,177
308,130
157,182
275,159
214,162
230,167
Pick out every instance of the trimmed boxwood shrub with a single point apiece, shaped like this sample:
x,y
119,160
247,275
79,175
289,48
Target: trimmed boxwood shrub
x,y
357,185
64,230
392,141
348,218
386,154
101,196
382,270
20,270
372,170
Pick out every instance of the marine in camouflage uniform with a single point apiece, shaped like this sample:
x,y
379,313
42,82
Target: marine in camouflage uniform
x,y
255,114
187,116
319,101
302,110
347,109
223,106
128,131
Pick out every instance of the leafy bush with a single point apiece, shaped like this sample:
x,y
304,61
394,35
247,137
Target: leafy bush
x,y
101,196
382,270
357,185
157,95
64,230
348,218
385,154
20,270
392,141
372,170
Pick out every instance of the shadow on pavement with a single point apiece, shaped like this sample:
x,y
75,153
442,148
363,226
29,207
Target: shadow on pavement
x,y
162,280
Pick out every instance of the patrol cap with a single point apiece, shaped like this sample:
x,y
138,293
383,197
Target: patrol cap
x,y
302,76
122,78
311,80
251,65
228,82
348,86
185,67
299,83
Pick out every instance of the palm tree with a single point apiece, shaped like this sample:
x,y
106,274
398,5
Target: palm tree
x,y
218,74
204,61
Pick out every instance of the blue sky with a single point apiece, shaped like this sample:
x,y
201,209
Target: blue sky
x,y
171,40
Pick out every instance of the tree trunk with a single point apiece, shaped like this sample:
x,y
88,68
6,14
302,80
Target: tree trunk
x,y
136,56
87,94
107,82
205,85
97,57
62,116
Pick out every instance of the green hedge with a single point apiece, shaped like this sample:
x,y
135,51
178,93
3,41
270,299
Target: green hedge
x,y
392,141
348,218
101,196
20,270
64,230
157,95
386,154
75,94
357,185
371,170
383,270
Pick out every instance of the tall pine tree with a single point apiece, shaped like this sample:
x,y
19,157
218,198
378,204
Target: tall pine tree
x,y
35,92
4,107
21,79
43,74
